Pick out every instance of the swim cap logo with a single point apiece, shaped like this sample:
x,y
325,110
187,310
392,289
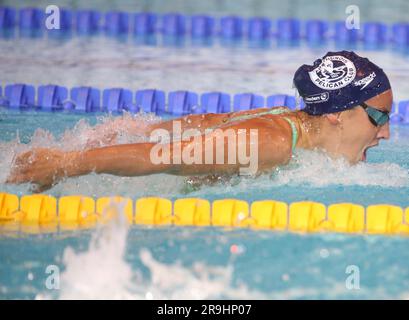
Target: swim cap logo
x,y
333,73
317,98
365,81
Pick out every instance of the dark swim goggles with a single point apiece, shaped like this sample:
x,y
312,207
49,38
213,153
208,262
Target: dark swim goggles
x,y
377,117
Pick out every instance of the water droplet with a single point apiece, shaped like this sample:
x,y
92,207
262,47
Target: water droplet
x,y
285,277
324,253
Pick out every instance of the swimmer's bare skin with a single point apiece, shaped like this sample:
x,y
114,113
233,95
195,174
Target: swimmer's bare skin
x,y
105,134
45,167
348,134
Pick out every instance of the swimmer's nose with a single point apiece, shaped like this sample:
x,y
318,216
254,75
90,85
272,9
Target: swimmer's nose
x,y
384,132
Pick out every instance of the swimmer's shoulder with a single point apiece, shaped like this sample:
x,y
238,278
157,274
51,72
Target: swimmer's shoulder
x,y
275,142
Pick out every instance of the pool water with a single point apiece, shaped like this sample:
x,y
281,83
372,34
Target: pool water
x,y
374,10
140,262
204,263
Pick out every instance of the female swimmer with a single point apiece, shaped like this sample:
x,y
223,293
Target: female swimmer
x,y
347,104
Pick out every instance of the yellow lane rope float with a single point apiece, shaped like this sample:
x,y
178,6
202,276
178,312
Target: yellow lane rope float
x,y
43,213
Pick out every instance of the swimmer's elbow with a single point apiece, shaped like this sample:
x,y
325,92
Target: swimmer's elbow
x,y
275,154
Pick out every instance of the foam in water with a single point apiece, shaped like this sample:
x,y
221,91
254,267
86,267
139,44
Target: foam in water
x,y
127,128
8,150
110,130
102,272
316,168
312,168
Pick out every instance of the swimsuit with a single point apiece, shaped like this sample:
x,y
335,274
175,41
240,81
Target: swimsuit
x,y
275,111
190,187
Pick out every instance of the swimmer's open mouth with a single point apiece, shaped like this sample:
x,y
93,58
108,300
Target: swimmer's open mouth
x,y
363,158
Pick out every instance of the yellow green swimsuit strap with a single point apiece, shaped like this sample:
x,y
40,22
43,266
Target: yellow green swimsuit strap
x,y
274,111
294,131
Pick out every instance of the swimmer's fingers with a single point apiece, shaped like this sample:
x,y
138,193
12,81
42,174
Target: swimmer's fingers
x,y
17,177
13,179
36,166
22,159
21,168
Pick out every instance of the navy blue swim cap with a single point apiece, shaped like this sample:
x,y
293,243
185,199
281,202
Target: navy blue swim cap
x,y
339,81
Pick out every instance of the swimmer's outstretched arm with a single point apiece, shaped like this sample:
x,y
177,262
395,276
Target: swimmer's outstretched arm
x,y
46,167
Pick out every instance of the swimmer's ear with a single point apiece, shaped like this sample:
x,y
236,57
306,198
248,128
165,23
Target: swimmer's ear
x,y
334,118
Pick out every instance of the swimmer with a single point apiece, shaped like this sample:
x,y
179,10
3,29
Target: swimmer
x,y
346,112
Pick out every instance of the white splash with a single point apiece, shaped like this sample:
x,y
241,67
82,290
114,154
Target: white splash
x,y
102,272
110,130
318,169
307,168
8,150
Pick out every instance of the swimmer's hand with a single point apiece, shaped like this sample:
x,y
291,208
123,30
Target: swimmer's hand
x,y
42,167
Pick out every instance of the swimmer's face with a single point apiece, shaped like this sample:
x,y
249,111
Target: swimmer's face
x,y
358,134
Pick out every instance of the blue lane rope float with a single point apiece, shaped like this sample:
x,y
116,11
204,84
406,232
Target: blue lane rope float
x,y
31,22
116,100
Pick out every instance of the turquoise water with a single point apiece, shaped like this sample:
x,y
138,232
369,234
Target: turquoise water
x,y
145,263
176,263
384,178
171,263
370,10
